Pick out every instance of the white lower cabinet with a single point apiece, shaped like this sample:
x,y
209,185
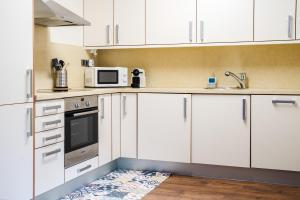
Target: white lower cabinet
x,y
49,167
116,126
129,125
275,132
49,137
104,129
81,168
164,127
45,123
221,130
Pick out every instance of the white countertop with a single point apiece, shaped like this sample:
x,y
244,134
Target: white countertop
x,y
48,94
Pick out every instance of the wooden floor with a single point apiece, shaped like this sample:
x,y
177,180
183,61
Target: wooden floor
x,y
184,188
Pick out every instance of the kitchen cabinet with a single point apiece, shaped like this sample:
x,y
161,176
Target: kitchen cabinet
x,y
43,108
274,20
298,21
224,21
16,151
129,125
49,167
100,14
104,129
275,132
16,78
116,125
221,130
164,127
170,21
129,18
49,122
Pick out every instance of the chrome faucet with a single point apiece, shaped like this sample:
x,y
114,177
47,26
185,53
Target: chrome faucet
x,y
241,79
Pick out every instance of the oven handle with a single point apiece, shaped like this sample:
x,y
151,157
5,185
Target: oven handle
x,y
85,113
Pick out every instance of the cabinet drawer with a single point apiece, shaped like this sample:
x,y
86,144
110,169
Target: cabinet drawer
x,y
49,107
49,137
49,167
81,168
49,122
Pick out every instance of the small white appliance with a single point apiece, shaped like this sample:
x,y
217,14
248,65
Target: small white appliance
x,y
138,78
106,77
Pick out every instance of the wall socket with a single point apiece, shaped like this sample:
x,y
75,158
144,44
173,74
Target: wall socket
x,y
87,63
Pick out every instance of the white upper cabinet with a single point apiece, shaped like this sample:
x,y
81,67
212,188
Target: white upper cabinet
x,y
221,130
224,21
104,129
16,42
170,21
298,20
129,17
100,14
164,127
274,20
275,132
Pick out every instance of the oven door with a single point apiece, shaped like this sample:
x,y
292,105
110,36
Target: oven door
x,y
107,77
81,135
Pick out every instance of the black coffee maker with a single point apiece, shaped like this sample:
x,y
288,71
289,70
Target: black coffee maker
x,y
138,78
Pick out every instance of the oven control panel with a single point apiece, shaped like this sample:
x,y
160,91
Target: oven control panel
x,y
78,103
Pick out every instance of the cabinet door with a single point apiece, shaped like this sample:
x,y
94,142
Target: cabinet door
x,y
170,21
225,21
116,126
129,16
16,152
104,129
275,132
274,20
221,130
164,125
100,14
16,41
129,125
49,167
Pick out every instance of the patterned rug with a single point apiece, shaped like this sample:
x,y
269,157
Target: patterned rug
x,y
120,184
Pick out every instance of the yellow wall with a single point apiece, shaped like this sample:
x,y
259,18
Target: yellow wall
x,y
273,66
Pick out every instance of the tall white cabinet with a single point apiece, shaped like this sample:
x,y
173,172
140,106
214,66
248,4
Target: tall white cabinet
x,y
274,20
164,127
275,132
170,21
128,125
221,130
224,21
105,139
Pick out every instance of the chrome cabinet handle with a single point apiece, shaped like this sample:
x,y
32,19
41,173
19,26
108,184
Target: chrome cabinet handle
x,y
107,34
202,31
29,114
52,108
85,168
52,122
290,26
283,101
117,33
51,153
244,109
102,108
190,31
85,113
184,108
124,105
29,86
52,137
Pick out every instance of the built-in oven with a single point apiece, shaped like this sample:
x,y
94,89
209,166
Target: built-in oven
x,y
81,129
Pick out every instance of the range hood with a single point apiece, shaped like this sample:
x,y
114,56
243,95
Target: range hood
x,y
50,13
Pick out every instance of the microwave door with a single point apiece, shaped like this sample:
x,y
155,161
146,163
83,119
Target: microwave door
x,y
108,77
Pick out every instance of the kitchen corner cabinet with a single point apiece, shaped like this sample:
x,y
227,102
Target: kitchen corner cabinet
x,y
275,132
224,21
171,21
16,152
129,17
105,139
221,130
274,20
128,125
164,127
116,126
100,14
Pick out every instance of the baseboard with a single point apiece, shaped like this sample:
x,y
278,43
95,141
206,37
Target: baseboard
x,y
212,171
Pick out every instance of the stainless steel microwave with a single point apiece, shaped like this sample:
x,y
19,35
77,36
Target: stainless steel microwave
x,y
106,77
